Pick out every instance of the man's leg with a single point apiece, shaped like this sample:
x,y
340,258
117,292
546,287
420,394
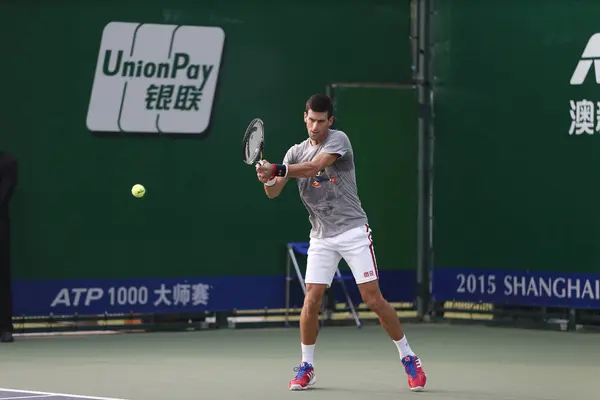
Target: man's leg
x,y
309,320
356,246
320,269
372,297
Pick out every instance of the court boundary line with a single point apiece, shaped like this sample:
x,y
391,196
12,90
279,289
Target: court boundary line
x,y
77,396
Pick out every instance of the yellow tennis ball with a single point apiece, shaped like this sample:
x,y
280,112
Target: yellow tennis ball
x,y
138,190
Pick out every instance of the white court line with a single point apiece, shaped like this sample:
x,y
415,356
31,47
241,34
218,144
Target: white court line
x,y
27,397
49,394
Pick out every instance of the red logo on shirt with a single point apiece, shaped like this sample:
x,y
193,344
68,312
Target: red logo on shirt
x,y
321,177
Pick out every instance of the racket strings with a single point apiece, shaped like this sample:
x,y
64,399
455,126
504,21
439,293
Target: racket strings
x,y
253,144
254,139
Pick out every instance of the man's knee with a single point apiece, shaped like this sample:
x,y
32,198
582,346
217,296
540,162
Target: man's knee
x,y
314,297
372,296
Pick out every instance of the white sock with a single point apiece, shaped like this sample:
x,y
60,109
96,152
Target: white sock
x,y
403,347
308,353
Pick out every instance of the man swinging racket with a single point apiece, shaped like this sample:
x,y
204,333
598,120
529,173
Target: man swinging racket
x,y
323,166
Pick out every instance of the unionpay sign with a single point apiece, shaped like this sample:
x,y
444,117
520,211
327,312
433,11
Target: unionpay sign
x,y
155,78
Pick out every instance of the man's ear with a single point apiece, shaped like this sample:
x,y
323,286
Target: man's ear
x,y
330,122
305,116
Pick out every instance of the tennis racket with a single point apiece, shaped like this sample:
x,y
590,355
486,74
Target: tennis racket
x,y
254,142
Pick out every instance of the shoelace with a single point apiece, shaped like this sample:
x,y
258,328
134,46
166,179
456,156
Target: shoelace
x,y
411,367
302,369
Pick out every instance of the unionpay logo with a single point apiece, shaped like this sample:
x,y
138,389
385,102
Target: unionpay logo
x,y
155,78
591,55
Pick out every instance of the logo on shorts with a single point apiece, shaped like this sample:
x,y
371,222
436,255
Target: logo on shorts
x,y
322,177
368,274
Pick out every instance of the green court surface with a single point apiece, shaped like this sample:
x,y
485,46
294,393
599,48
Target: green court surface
x,y
462,362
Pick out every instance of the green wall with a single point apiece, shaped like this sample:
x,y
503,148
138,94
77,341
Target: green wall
x,y
381,122
513,189
204,213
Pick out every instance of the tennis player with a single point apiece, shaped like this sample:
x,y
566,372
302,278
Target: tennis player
x,y
323,166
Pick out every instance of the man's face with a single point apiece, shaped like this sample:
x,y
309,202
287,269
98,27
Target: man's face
x,y
317,124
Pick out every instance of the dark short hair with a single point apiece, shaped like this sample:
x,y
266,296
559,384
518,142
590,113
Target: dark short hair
x,y
320,103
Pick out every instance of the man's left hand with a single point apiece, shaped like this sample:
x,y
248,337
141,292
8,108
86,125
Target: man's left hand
x,y
264,171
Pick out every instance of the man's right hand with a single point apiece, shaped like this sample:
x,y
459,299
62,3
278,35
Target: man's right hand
x,y
264,170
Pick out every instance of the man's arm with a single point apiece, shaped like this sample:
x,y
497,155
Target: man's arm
x,y
311,168
274,185
275,189
283,172
335,148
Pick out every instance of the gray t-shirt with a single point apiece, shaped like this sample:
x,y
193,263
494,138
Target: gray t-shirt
x,y
331,197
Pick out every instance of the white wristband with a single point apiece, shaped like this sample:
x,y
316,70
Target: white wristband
x,y
271,182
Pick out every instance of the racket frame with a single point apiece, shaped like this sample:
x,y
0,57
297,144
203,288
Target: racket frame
x,y
246,140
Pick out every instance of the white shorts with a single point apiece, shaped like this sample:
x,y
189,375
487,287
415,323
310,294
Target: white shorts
x,y
355,246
